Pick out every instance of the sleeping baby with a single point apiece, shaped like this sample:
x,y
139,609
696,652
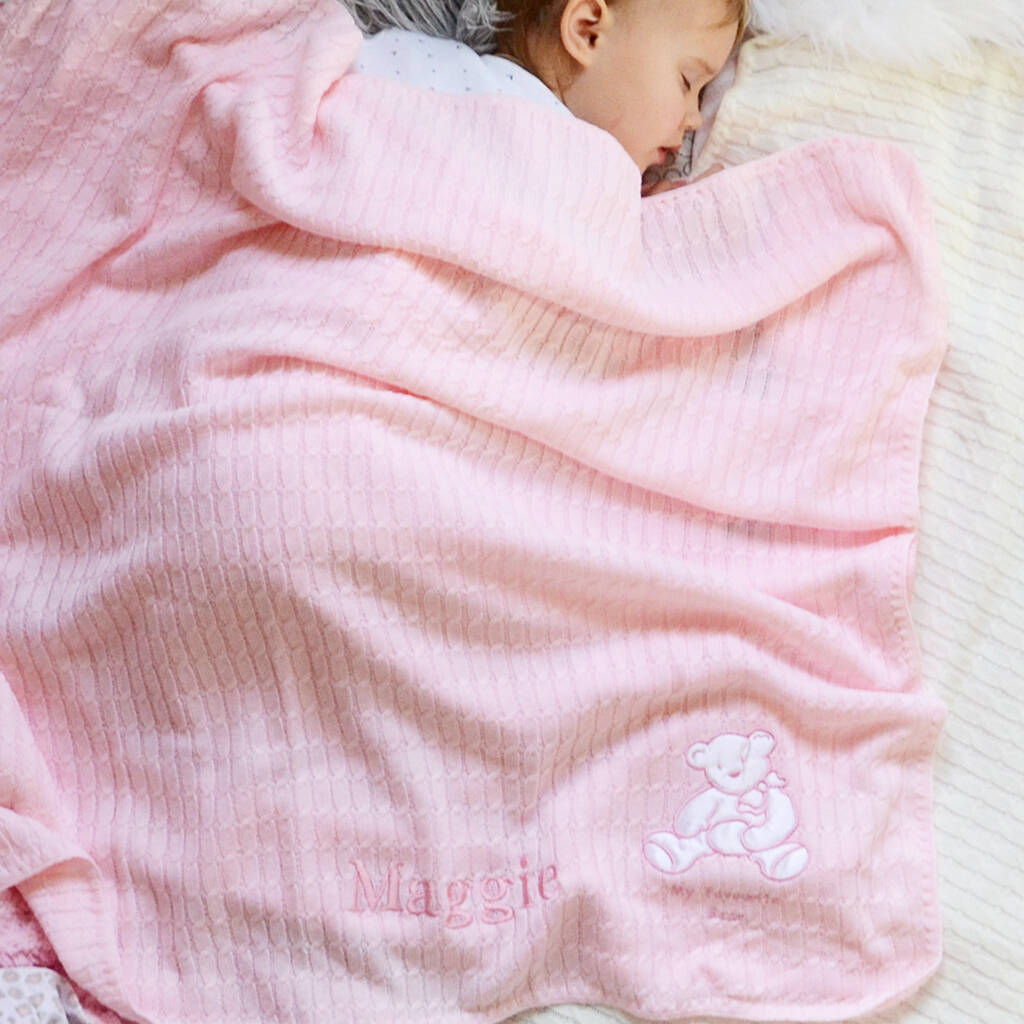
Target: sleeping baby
x,y
635,68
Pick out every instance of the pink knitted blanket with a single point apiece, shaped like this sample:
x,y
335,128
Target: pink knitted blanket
x,y
435,582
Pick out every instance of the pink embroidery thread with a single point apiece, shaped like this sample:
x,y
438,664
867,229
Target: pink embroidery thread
x,y
489,899
743,812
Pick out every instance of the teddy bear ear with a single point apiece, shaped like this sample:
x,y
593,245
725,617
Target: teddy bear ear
x,y
762,741
697,755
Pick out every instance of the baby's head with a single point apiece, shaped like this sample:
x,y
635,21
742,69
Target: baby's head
x,y
635,68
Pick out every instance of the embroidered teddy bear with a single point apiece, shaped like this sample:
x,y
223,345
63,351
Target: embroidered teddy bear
x,y
743,812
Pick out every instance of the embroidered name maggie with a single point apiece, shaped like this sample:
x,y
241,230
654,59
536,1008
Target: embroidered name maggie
x,y
489,899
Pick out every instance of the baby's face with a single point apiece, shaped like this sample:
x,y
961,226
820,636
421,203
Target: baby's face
x,y
644,63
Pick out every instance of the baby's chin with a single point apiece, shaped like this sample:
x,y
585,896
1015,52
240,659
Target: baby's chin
x,y
644,161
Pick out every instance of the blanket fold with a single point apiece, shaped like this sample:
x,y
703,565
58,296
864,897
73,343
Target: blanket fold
x,y
435,582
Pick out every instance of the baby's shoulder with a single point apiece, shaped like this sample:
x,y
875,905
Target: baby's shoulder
x,y
419,59
416,46
446,65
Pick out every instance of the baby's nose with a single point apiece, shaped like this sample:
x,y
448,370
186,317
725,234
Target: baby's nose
x,y
692,121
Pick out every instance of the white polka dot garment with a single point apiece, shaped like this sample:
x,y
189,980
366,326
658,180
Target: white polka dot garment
x,y
35,995
445,65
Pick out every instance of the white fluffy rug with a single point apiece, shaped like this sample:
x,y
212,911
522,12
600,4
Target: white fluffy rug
x,y
894,31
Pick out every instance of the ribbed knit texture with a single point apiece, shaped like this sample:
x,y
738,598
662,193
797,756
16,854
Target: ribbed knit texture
x,y
394,504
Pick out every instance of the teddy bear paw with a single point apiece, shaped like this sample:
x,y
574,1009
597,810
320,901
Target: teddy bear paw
x,y
782,862
673,854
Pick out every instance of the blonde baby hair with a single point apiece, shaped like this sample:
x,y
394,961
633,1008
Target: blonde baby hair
x,y
522,17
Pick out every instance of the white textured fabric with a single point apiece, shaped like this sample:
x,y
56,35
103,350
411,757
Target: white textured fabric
x,y
445,65
964,124
906,33
36,995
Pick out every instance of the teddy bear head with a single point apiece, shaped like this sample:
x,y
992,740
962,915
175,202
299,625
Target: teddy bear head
x,y
731,762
